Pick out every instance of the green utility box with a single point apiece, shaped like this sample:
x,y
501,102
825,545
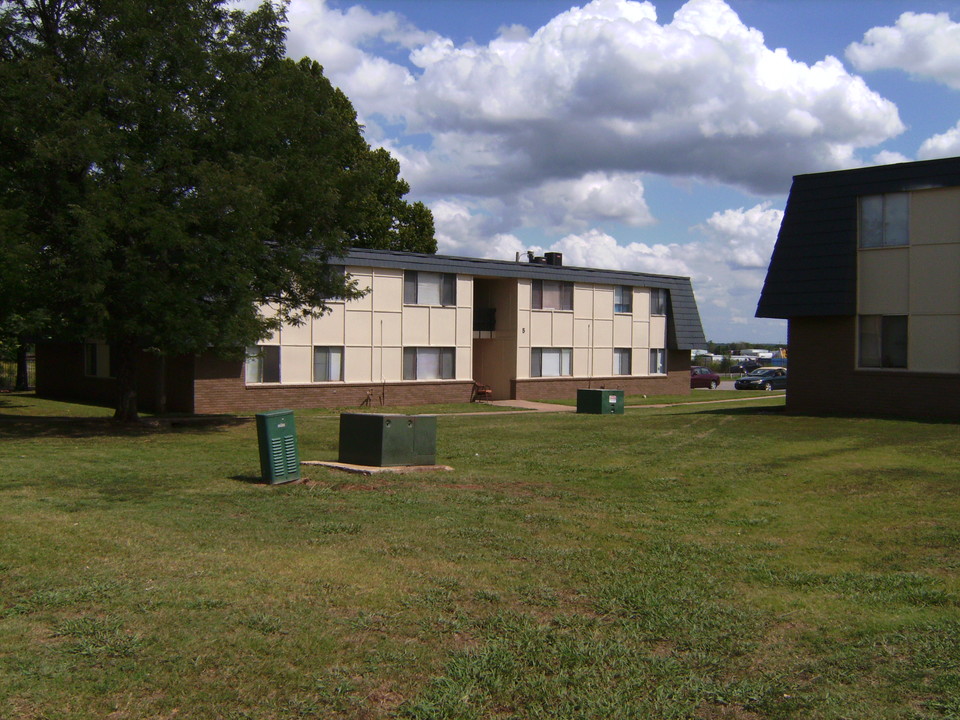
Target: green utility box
x,y
600,402
382,440
279,456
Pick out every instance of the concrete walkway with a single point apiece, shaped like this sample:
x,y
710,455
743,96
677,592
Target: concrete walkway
x,y
531,405
521,406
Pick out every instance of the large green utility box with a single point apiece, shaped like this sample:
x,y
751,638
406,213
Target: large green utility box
x,y
279,456
600,402
384,440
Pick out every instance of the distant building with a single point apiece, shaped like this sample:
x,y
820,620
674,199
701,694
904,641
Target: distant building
x,y
431,329
866,270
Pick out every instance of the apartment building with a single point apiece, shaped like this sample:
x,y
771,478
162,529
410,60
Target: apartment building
x,y
433,328
866,270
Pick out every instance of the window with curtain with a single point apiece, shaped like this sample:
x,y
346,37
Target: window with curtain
x,y
658,362
552,295
551,362
622,364
327,364
885,220
263,364
658,301
420,363
426,288
623,299
883,341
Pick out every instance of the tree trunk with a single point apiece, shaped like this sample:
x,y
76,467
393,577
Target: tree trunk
x,y
126,356
23,381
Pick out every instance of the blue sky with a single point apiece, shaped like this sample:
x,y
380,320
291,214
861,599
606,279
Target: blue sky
x,y
649,136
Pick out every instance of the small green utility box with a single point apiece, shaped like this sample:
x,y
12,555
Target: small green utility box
x,y
600,402
279,456
384,440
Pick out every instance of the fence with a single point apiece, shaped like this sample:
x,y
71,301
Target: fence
x,y
8,374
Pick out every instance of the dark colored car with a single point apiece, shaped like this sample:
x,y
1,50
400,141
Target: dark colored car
x,y
701,377
765,378
746,366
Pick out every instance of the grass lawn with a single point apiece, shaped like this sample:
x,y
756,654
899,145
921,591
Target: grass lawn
x,y
700,561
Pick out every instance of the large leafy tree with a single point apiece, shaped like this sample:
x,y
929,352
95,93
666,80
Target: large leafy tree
x,y
164,170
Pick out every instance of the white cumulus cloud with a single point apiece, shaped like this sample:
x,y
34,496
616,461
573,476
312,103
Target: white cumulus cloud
x,y
567,205
925,45
940,146
604,88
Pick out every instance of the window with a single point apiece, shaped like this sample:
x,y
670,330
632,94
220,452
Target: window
x,y
428,364
658,362
98,360
551,362
263,364
327,364
338,278
552,295
883,341
426,288
884,220
623,299
90,359
658,301
622,361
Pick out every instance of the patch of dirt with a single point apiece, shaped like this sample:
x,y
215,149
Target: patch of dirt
x,y
663,649
383,698
725,712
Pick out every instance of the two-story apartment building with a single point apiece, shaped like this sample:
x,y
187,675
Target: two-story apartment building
x,y
430,328
867,271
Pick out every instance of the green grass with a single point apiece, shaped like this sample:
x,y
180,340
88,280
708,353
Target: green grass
x,y
699,561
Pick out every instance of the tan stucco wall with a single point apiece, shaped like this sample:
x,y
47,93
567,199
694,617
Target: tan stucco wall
x,y
592,329
884,287
935,216
921,280
374,329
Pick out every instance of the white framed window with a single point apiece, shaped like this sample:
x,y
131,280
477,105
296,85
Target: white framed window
x,y
622,361
552,295
427,288
883,341
658,301
423,363
623,299
263,364
658,361
327,363
551,362
884,220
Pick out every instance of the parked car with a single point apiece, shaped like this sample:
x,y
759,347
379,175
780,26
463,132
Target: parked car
x,y
765,378
701,377
746,366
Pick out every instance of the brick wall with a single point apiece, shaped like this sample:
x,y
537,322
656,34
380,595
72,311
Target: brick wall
x,y
60,376
565,388
219,387
676,382
824,378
